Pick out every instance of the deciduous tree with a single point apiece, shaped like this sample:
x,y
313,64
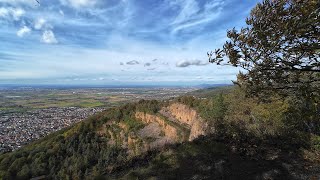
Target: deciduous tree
x,y
279,49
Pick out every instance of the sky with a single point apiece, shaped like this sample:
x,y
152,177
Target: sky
x,y
112,42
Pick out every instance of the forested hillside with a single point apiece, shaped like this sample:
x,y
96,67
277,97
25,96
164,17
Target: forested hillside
x,y
233,134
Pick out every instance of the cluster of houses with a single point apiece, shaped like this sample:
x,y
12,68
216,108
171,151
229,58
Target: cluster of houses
x,y
18,129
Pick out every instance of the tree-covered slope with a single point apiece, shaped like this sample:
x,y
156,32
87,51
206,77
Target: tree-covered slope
x,y
235,136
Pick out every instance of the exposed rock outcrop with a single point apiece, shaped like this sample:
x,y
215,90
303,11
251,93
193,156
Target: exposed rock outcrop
x,y
183,113
169,130
198,128
189,117
175,123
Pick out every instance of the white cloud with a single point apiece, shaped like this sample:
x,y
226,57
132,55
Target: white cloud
x,y
19,2
78,4
61,12
4,12
133,62
10,13
186,63
189,9
48,37
17,13
39,23
191,15
23,31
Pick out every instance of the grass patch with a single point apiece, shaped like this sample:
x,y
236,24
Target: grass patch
x,y
133,124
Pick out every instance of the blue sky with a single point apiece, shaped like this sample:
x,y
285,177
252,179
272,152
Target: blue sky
x,y
116,41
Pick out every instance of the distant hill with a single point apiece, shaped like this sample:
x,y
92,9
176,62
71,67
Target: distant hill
x,y
212,134
208,86
211,91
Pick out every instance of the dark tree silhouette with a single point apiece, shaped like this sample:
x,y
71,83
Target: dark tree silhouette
x,y
279,49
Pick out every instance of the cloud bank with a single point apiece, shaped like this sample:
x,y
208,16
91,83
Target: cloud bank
x,y
187,63
133,62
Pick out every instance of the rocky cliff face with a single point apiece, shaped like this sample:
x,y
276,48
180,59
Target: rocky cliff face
x,y
169,130
183,113
189,117
175,123
198,128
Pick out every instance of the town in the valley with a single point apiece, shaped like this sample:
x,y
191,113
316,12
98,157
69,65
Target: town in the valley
x,y
27,114
18,129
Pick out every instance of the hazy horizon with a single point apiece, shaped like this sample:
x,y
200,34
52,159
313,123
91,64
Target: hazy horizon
x,y
70,86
